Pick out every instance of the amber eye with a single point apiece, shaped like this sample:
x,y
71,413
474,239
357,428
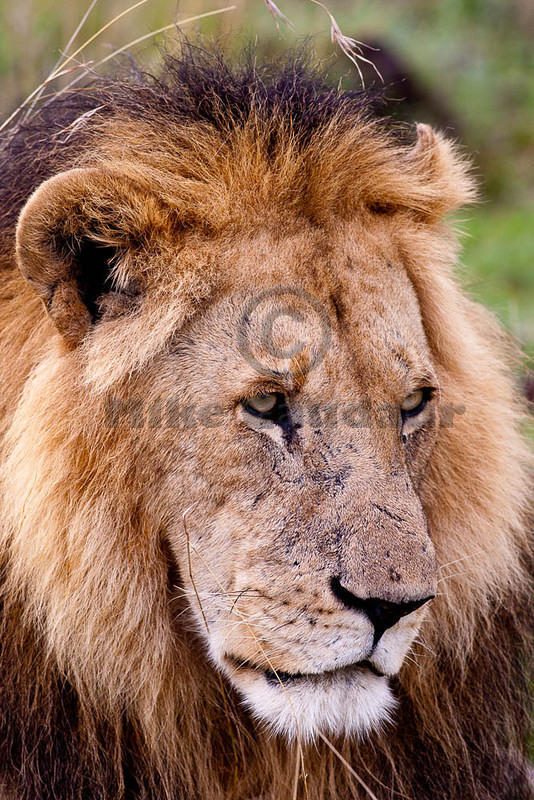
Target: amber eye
x,y
271,406
414,403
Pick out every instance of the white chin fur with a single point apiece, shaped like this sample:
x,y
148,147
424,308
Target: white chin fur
x,y
338,705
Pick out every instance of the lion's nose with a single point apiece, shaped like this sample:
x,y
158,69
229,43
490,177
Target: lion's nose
x,y
382,613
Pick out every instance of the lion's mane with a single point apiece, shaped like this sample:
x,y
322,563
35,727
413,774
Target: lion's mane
x,y
103,693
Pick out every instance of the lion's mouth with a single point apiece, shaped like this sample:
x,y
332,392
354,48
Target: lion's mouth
x,y
355,697
275,678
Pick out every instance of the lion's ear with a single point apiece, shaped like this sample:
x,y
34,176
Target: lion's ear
x,y
74,237
445,172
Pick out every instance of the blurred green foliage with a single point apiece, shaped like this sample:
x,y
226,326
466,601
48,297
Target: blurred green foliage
x,y
472,60
498,255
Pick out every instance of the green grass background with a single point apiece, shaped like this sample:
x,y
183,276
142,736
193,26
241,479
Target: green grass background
x,y
474,58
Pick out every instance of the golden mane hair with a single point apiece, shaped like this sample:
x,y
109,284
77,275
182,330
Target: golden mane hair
x,y
105,691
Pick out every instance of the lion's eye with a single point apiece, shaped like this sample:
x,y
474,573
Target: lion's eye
x,y
414,403
262,403
270,406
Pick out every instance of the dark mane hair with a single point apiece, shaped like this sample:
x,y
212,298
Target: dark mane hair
x,y
196,86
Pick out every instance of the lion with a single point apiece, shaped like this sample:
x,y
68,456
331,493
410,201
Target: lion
x,y
264,491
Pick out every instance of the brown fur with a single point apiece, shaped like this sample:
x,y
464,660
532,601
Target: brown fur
x,y
105,687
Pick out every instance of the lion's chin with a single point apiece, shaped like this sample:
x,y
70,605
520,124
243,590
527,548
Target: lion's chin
x,y
352,701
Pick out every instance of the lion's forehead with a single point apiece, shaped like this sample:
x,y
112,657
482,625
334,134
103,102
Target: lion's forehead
x,y
346,296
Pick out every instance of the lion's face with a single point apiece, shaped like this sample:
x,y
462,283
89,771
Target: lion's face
x,y
288,363
291,473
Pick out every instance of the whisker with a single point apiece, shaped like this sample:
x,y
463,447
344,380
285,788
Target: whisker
x,y
452,575
412,661
457,560
423,644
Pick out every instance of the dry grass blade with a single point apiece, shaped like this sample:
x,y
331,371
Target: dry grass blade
x,y
295,792
61,69
189,566
176,24
63,54
278,15
78,123
352,48
119,51
76,32
352,771
39,89
101,31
